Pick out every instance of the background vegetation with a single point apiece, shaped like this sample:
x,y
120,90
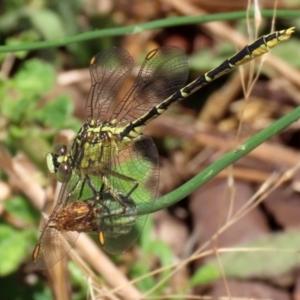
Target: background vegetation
x,y
43,87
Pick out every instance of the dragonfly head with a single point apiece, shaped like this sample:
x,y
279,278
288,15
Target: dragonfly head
x,y
58,164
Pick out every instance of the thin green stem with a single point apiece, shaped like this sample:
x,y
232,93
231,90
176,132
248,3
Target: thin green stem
x,y
118,31
228,159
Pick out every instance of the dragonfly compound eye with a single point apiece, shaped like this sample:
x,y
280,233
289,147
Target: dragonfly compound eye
x,y
64,172
52,162
60,149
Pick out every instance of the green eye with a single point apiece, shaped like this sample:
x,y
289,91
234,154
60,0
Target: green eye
x,y
64,172
50,163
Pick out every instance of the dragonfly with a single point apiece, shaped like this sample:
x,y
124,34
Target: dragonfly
x,y
111,167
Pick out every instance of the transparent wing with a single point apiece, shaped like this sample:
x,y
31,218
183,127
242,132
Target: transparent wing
x,y
103,200
53,245
139,162
109,179
108,70
164,71
55,242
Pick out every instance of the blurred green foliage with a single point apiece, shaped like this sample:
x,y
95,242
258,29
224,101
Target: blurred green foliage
x,y
270,258
29,123
30,127
30,120
14,248
152,250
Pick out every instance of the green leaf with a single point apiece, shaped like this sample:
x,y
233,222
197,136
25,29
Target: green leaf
x,y
21,208
44,294
265,264
288,53
48,23
16,131
24,37
14,245
205,275
35,145
22,93
9,20
149,248
80,286
163,252
55,113
18,110
139,269
144,240
36,77
207,59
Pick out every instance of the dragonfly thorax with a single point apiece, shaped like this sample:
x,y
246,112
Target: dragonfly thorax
x,y
95,147
91,152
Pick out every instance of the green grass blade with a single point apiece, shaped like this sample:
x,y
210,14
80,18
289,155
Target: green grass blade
x,y
228,159
119,31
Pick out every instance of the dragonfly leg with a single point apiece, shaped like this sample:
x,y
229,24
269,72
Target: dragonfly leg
x,y
115,193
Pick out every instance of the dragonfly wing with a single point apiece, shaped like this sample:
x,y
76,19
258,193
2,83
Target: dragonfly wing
x,y
64,225
139,162
121,243
53,246
164,71
108,70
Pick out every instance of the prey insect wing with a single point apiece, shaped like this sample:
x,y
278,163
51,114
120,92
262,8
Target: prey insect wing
x,y
53,246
